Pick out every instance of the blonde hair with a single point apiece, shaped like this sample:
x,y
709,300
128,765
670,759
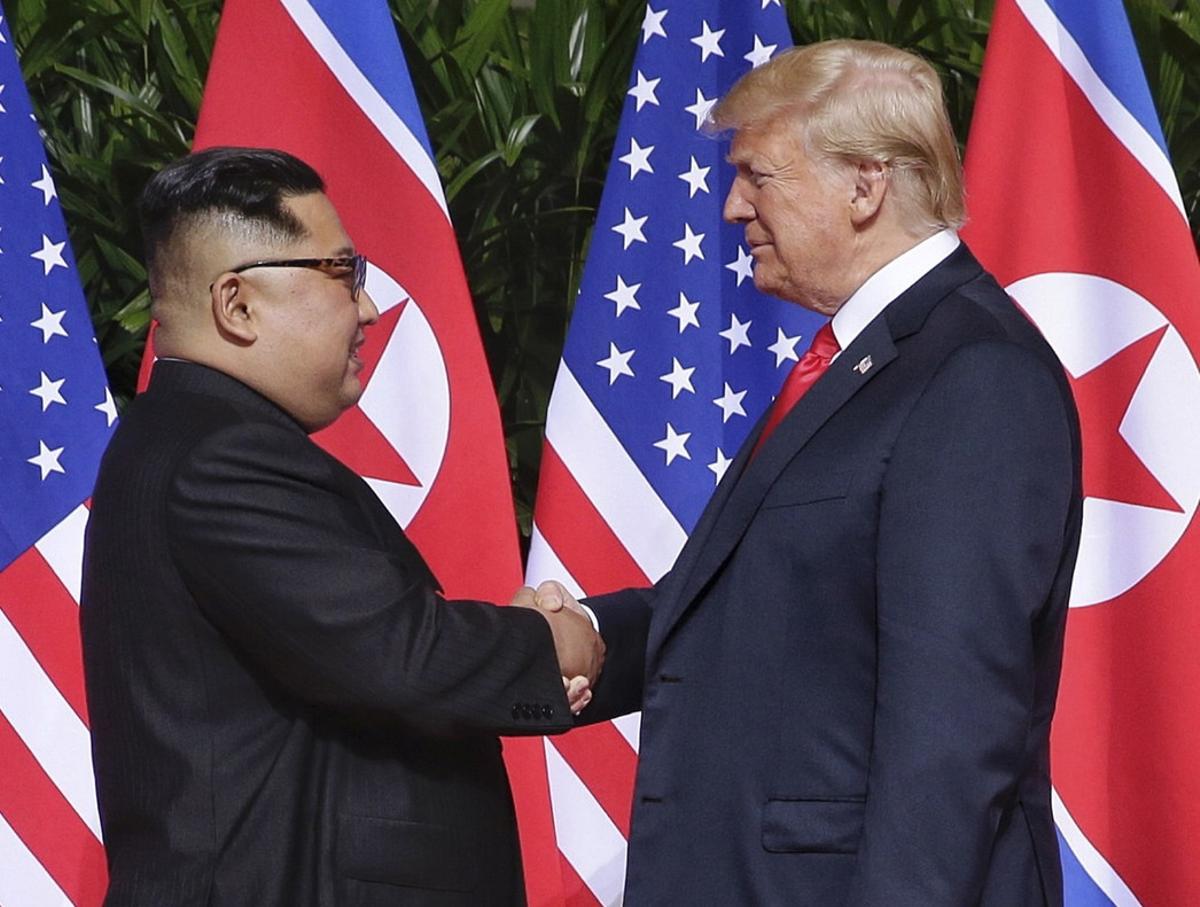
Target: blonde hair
x,y
862,101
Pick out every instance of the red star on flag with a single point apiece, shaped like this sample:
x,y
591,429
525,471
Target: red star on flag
x,y
354,438
1111,468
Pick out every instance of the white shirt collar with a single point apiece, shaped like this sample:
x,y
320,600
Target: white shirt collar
x,y
888,283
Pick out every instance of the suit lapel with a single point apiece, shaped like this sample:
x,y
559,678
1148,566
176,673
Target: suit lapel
x,y
730,512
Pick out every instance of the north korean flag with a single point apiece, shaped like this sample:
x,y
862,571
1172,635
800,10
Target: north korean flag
x,y
1074,206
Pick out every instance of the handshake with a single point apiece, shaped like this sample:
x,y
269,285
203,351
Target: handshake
x,y
579,647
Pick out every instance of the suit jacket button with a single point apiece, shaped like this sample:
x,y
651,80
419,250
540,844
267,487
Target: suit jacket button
x,y
526,710
547,711
516,710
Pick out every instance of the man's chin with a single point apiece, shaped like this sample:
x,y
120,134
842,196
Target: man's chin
x,y
764,284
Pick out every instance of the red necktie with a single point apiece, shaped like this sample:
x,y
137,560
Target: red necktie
x,y
804,374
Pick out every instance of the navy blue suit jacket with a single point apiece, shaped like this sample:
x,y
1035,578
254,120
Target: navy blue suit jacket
x,y
848,677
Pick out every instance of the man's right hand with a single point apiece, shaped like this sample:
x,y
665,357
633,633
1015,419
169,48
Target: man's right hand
x,y
552,595
579,647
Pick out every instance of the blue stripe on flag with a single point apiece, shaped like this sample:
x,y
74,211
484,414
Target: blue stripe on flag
x,y
1101,29
1078,888
368,35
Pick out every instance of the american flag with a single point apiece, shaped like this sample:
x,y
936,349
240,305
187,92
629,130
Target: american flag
x,y
1075,208
671,357
56,415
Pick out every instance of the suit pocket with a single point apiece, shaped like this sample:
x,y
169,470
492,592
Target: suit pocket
x,y
397,852
812,826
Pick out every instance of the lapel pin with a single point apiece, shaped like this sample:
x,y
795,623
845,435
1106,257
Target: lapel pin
x,y
864,365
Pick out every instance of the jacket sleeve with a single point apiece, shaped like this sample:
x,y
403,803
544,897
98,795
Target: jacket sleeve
x,y
624,619
974,519
282,560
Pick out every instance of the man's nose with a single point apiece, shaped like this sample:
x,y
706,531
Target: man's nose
x,y
368,313
737,208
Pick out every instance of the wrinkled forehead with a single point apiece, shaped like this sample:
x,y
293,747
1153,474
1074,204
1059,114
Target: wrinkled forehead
x,y
776,139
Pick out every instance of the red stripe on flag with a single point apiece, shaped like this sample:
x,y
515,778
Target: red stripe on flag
x,y
48,825
46,617
577,892
606,763
579,535
1089,206
525,758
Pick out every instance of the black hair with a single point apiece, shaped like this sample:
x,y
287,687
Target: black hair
x,y
251,184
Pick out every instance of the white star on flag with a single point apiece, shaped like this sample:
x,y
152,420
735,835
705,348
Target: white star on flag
x,y
766,3
719,465
738,333
696,177
617,363
46,185
108,406
3,40
685,312
652,24
2,110
730,403
784,348
638,159
47,460
675,444
631,228
761,53
689,244
701,108
743,267
1,175
50,324
679,378
644,90
708,41
49,391
625,295
50,254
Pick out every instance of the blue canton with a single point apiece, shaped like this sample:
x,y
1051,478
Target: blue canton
x,y
56,413
669,338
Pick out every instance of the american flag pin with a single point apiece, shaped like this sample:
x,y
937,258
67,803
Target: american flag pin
x,y
864,365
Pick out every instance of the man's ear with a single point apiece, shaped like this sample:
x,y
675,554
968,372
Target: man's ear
x,y
231,309
870,188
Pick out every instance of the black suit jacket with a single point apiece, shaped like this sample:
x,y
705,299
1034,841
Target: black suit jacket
x,y
847,680
284,710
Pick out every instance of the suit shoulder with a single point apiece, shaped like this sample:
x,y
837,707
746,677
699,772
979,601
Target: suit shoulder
x,y
159,433
980,311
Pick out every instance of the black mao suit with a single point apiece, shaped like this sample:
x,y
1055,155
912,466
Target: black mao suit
x,y
847,679
284,711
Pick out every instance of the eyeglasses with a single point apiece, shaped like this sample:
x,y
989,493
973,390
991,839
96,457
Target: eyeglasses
x,y
335,267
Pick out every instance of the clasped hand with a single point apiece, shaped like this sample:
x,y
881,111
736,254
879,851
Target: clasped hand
x,y
579,648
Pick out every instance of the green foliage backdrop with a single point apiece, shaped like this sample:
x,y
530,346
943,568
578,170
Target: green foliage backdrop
x,y
521,101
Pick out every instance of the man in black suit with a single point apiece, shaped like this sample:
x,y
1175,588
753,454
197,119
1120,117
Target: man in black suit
x,y
847,680
284,709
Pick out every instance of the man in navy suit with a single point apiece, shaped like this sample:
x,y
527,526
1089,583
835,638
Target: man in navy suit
x,y
847,680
